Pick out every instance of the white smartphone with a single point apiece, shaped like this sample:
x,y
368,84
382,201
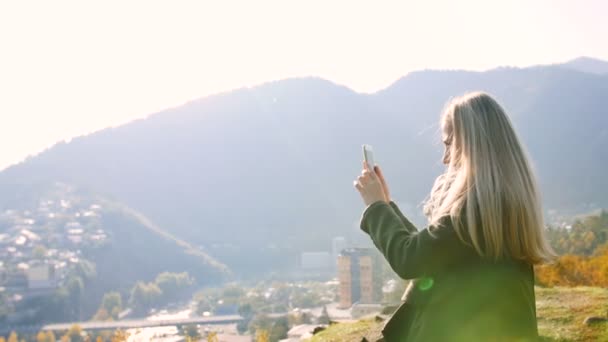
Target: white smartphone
x,y
368,156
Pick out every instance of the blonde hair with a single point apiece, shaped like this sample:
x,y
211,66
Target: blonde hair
x,y
488,183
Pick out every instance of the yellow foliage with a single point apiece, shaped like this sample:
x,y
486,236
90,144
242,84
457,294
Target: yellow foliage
x,y
102,315
41,337
575,270
261,335
120,336
212,337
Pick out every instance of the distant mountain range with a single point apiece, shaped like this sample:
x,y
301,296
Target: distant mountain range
x,y
587,64
256,175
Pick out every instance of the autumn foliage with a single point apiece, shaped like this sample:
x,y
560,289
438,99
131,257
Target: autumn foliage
x,y
585,254
576,270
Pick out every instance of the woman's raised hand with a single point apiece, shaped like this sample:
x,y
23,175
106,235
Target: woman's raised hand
x,y
387,194
372,186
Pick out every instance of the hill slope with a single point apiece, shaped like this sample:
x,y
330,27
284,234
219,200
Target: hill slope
x,y
123,244
560,312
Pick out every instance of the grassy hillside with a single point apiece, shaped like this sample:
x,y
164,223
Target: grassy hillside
x,y
561,312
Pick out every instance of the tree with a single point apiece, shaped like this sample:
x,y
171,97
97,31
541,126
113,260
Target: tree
x,y
191,331
86,270
232,294
47,336
41,337
279,329
583,237
306,299
260,322
110,306
324,318
576,270
39,252
241,327
245,310
171,284
120,336
203,304
102,315
143,296
75,288
13,337
111,301
299,318
261,335
212,337
74,334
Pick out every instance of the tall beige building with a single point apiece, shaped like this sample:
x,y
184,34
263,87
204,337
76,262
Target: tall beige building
x,y
359,276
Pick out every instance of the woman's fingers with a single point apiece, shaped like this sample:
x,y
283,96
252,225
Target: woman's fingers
x,y
357,185
378,171
366,177
367,172
370,186
362,180
383,181
380,175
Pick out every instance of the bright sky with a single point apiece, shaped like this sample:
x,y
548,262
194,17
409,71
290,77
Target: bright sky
x,y
69,68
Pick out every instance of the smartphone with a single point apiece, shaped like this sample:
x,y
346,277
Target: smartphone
x,y
368,156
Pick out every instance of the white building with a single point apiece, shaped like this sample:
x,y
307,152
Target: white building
x,y
41,277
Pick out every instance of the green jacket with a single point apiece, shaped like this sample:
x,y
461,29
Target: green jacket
x,y
456,295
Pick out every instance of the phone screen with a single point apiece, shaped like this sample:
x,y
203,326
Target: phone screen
x,y
368,156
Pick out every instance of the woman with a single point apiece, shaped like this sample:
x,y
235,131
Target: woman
x,y
473,264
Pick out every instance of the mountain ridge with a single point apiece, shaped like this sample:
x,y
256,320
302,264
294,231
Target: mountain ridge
x,y
588,64
267,170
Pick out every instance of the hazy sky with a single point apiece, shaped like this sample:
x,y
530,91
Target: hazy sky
x,y
68,68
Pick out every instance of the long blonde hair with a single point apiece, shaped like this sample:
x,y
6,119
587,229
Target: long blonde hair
x,y
489,183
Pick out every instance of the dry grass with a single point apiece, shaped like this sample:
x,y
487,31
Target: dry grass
x,y
560,311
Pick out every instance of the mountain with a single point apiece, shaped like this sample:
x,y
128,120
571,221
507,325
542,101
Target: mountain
x,y
588,64
256,175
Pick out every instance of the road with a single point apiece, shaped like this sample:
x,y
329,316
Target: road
x,y
127,324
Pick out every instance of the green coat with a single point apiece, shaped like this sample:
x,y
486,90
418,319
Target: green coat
x,y
456,295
